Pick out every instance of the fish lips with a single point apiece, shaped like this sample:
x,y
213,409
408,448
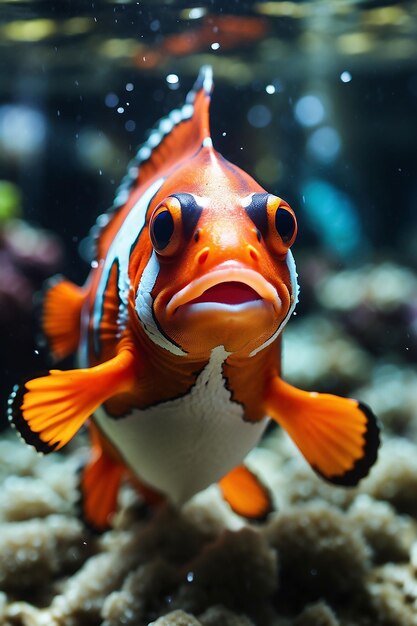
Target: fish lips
x,y
230,287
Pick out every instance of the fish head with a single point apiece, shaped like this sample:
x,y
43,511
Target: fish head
x,y
219,272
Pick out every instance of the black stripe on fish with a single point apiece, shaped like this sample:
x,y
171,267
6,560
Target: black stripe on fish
x,y
190,212
257,211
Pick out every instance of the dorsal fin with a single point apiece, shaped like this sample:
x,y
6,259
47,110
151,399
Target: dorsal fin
x,y
174,139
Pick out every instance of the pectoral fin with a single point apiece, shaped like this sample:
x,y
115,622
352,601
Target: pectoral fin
x,y
48,411
61,314
339,437
245,493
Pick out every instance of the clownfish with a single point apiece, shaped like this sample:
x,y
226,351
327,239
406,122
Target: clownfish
x,y
178,335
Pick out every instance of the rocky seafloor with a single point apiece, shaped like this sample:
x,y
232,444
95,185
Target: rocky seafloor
x,y
328,556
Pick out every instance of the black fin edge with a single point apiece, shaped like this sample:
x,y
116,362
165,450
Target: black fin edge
x,y
363,465
17,421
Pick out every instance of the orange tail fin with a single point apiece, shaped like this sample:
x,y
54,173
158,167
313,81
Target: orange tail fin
x,y
61,314
48,411
245,494
339,437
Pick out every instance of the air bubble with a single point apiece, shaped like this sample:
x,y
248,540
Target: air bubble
x,y
130,125
172,79
111,100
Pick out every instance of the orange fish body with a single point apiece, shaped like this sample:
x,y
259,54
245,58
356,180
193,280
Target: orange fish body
x,y
178,334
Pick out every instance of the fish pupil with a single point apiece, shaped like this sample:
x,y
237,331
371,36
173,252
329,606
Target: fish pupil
x,y
162,230
285,225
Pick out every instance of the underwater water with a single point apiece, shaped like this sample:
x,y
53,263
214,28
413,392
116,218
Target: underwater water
x,y
317,100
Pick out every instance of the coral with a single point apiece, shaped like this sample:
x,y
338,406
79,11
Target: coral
x,y
394,478
349,552
216,615
321,554
375,304
389,535
219,572
25,498
176,618
319,614
237,570
384,287
393,590
318,351
124,571
392,394
144,594
34,551
16,460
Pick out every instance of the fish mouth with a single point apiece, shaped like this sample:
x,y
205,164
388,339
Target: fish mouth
x,y
229,287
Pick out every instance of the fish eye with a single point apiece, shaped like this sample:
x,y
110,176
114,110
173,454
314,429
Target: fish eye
x,y
282,225
162,230
285,224
164,227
